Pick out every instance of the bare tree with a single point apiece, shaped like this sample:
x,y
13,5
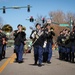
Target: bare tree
x,y
61,17
57,16
70,15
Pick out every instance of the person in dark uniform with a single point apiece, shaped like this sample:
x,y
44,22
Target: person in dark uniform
x,y
63,38
1,44
32,36
59,42
39,35
67,45
20,38
4,42
49,42
72,38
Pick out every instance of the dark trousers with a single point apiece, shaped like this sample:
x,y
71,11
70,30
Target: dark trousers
x,y
3,51
19,52
38,52
60,52
0,52
67,54
72,54
63,53
45,56
49,50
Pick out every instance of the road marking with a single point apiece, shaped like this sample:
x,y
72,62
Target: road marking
x,y
6,63
13,59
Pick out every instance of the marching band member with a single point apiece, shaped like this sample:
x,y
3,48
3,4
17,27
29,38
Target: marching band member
x,y
20,37
59,42
49,43
1,44
72,38
39,37
4,39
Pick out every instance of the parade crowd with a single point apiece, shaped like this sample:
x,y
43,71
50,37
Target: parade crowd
x,y
42,41
66,45
3,42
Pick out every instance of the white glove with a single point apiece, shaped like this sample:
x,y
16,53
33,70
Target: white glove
x,y
44,44
33,35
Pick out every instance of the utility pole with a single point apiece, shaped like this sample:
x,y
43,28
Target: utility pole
x,y
71,24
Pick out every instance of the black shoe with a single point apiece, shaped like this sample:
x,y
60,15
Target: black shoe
x,y
40,65
20,61
72,61
3,57
16,60
0,59
48,62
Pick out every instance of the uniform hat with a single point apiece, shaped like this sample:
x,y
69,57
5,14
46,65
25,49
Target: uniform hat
x,y
37,24
19,25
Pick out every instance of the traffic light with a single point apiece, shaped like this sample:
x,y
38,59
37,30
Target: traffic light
x,y
43,20
4,9
31,19
28,8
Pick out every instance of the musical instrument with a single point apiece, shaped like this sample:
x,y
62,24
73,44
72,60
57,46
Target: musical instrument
x,y
7,28
23,28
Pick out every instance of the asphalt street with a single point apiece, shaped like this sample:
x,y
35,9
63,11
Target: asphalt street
x,y
57,67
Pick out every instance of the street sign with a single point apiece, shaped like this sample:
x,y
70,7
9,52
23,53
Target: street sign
x,y
64,25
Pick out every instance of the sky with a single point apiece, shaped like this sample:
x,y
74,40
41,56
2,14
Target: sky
x,y
39,7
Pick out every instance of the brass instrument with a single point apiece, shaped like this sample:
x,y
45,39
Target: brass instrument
x,y
7,28
24,28
51,28
66,39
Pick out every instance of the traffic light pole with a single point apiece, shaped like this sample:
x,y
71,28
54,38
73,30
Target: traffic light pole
x,y
70,24
15,7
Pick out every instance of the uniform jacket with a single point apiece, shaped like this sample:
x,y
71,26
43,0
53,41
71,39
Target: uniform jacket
x,y
50,37
20,37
